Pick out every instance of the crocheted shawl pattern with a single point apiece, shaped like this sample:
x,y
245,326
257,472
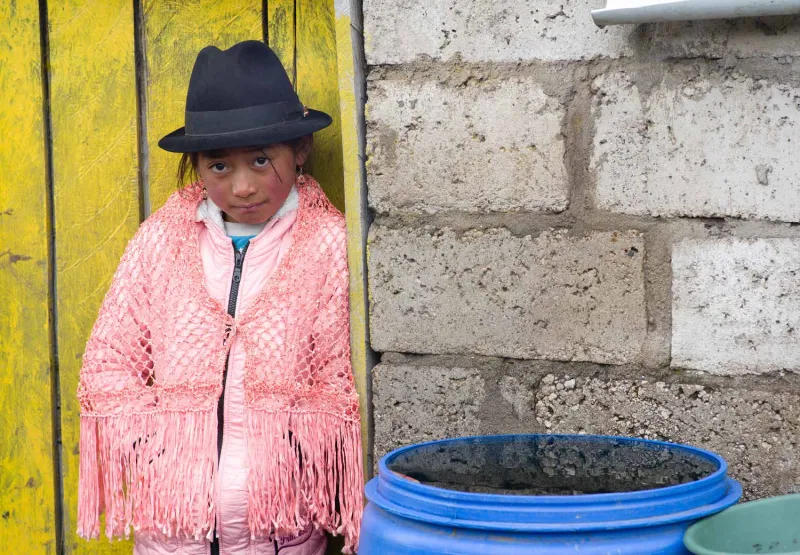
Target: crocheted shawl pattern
x,y
152,375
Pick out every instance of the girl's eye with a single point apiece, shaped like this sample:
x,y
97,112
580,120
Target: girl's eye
x,y
219,167
261,161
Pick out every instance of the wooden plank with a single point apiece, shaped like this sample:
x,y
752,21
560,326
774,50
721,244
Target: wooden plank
x,y
174,34
356,215
96,194
318,87
280,32
27,499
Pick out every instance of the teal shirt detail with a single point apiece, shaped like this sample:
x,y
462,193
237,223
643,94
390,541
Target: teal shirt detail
x,y
240,241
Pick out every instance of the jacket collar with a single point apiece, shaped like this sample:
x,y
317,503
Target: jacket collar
x,y
210,213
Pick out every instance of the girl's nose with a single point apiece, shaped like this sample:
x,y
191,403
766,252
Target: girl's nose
x,y
242,186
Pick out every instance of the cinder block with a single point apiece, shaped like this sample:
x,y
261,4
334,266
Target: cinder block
x,y
417,404
736,305
486,30
487,292
514,30
775,37
756,431
488,146
696,144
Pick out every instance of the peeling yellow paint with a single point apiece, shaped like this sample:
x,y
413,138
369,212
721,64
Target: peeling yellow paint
x,y
318,87
27,500
96,206
281,32
354,210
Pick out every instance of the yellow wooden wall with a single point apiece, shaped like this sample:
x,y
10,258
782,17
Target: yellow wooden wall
x,y
89,87
27,473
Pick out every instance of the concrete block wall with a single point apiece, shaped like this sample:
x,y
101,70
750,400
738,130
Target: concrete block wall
x,y
585,231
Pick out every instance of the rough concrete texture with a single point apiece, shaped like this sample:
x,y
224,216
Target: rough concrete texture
x,y
777,37
485,30
696,143
756,431
736,305
509,31
488,292
423,404
484,146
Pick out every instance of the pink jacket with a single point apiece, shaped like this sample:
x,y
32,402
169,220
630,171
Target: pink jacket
x,y
263,255
152,376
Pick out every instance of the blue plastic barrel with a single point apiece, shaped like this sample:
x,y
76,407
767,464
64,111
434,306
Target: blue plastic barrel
x,y
551,494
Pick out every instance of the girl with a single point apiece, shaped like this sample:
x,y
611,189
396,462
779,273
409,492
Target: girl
x,y
218,411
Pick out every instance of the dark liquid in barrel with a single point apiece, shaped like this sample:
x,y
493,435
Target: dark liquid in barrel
x,y
551,466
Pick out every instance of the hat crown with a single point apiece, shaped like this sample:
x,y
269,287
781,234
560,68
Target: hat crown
x,y
245,75
241,97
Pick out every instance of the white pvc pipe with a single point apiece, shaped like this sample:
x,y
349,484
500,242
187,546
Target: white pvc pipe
x,y
650,11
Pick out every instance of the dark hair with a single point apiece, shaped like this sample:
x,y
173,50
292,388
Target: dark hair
x,y
187,167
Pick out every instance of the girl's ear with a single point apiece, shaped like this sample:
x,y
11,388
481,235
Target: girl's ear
x,y
302,150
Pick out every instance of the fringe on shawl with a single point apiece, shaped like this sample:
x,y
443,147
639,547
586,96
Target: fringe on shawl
x,y
318,456
150,471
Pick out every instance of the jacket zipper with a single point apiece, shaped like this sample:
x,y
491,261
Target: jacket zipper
x,y
237,277
238,264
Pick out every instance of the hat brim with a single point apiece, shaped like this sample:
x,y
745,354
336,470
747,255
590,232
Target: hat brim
x,y
178,141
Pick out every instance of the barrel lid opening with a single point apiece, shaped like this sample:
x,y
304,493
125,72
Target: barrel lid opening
x,y
551,465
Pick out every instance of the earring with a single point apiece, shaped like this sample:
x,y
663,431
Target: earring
x,y
205,193
301,178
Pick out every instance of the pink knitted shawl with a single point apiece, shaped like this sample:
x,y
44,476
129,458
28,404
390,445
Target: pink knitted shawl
x,y
152,375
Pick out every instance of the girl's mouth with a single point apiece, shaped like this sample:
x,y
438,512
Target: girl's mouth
x,y
251,207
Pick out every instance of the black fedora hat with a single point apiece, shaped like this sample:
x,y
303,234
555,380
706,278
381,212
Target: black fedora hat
x,y
241,97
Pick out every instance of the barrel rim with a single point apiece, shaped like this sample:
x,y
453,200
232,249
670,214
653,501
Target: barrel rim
x,y
732,495
399,479
407,498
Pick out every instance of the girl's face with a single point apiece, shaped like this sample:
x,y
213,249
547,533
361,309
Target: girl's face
x,y
250,184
